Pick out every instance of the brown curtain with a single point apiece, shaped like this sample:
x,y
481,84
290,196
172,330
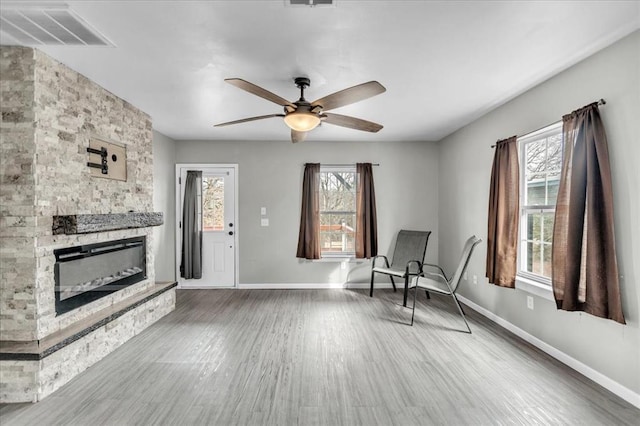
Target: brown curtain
x,y
584,269
504,205
308,238
366,221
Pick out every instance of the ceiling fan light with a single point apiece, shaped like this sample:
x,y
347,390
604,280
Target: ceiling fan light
x,y
302,121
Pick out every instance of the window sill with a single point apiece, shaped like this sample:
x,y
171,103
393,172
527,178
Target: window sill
x,y
336,259
534,287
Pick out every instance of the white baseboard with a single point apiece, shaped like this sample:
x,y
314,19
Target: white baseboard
x,y
309,286
200,287
604,381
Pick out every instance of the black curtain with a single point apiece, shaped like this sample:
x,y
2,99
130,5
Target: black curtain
x,y
191,265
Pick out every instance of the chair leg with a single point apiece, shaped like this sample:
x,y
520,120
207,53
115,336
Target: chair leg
x,y
393,283
455,299
371,290
413,311
427,293
406,290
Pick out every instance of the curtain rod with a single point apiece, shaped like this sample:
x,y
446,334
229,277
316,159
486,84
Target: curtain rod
x,y
600,102
341,165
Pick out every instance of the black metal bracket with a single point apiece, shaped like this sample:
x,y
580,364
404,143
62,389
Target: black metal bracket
x,y
102,152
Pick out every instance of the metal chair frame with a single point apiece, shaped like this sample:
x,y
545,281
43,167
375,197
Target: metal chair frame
x,y
452,284
412,267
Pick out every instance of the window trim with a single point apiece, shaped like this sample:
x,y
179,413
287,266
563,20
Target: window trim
x,y
338,256
526,281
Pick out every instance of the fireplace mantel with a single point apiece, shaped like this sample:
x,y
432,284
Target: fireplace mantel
x,y
88,223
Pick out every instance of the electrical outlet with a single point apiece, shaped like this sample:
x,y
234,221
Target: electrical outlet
x,y
264,222
263,211
464,276
343,265
530,302
475,279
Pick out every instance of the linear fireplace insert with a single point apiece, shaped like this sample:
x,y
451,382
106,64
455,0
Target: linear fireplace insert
x,y
88,272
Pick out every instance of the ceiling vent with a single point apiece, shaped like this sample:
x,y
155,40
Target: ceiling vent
x,y
310,2
50,25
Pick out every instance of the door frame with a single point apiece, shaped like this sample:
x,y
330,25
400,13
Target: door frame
x,y
236,254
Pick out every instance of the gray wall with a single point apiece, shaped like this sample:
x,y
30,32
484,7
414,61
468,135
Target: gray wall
x,y
164,159
465,166
270,175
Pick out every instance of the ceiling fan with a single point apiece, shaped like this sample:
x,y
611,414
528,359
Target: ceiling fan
x,y
302,116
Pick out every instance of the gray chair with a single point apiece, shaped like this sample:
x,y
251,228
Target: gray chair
x,y
407,259
437,282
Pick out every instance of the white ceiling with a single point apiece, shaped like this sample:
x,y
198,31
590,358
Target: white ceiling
x,y
444,64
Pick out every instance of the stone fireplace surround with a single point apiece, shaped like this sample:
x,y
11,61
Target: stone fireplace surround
x,y
32,369
49,115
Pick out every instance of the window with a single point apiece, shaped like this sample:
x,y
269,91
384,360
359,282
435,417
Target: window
x,y
213,203
540,165
331,195
337,211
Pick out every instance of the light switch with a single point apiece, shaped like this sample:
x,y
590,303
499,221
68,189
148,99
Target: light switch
x,y
263,211
264,222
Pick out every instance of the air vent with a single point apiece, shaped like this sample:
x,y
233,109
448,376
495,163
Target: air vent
x,y
53,26
310,2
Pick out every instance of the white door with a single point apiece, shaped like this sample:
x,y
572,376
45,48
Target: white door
x,y
217,213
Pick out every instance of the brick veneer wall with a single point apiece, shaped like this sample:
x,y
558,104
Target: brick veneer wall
x,y
49,114
17,195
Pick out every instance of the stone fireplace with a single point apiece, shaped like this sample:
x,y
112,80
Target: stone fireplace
x,y
55,213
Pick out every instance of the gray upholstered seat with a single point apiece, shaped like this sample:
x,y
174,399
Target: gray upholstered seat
x,y
407,259
437,282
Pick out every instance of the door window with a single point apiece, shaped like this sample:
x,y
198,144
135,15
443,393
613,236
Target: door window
x,y
213,203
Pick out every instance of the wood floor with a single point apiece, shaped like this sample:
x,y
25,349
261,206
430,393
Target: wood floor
x,y
323,357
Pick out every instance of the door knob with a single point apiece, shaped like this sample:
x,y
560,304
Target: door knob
x,y
230,232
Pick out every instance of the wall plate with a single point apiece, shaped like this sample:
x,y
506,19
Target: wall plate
x,y
116,160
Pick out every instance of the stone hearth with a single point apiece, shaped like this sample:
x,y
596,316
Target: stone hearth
x,y
35,369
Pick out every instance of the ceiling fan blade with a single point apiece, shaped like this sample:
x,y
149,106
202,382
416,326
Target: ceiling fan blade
x,y
259,91
244,120
350,95
297,136
351,122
